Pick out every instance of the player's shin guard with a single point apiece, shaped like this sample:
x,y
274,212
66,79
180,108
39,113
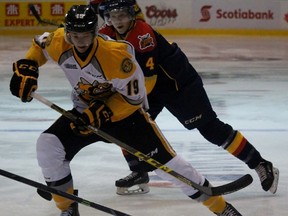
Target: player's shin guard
x,y
185,169
215,204
237,145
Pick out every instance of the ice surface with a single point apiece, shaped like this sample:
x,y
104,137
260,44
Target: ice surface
x,y
246,79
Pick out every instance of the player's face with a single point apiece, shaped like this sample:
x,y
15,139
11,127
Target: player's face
x,y
120,20
81,40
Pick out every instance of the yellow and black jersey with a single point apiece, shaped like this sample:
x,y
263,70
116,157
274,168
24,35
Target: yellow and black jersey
x,y
110,68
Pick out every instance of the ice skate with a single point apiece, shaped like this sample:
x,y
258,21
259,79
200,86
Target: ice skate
x,y
229,211
135,183
268,175
71,211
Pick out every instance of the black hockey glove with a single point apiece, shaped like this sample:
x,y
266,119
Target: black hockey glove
x,y
24,79
96,115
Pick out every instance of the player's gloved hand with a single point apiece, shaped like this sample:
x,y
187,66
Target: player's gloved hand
x,y
95,115
24,79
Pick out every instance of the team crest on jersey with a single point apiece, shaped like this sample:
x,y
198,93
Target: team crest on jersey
x,y
127,65
145,41
90,91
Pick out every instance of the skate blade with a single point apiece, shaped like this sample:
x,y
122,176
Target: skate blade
x,y
274,186
136,189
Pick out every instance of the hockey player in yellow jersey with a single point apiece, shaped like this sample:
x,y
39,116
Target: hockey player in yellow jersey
x,y
107,92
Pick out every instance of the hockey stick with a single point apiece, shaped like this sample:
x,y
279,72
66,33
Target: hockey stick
x,y
211,191
39,19
61,193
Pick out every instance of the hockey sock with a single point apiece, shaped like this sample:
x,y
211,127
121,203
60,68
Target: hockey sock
x,y
215,204
243,150
61,202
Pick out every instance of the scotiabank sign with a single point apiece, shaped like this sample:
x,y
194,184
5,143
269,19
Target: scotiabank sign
x,y
216,14
237,14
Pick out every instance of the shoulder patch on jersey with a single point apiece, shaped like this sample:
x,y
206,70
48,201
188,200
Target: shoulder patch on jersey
x,y
49,39
145,41
127,65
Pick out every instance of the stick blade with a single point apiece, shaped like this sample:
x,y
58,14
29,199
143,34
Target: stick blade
x,y
234,186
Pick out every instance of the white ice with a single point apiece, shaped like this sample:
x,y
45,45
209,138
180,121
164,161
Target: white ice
x,y
246,79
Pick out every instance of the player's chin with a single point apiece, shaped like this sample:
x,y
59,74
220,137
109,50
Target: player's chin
x,y
81,49
121,30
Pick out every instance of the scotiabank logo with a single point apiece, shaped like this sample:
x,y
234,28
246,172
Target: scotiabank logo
x,y
205,13
236,14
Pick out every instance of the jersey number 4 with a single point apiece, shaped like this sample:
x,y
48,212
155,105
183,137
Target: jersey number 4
x,y
150,63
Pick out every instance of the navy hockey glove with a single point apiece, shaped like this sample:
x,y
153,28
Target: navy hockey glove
x,y
24,79
96,115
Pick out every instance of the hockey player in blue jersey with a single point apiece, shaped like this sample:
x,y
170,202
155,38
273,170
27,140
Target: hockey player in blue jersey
x,y
173,83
